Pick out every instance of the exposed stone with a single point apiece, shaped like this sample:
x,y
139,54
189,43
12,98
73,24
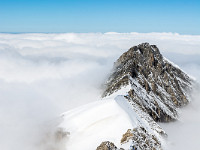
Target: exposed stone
x,y
158,89
107,146
126,136
141,139
157,85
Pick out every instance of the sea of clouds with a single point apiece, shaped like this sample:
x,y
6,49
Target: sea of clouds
x,y
44,75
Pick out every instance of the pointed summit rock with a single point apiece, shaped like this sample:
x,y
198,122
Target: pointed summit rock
x,y
158,86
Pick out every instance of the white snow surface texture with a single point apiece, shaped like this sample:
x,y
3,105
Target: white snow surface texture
x,y
91,124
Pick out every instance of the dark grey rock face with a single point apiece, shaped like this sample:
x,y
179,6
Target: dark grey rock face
x,y
156,84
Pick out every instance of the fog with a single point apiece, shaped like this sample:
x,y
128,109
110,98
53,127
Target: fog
x,y
44,75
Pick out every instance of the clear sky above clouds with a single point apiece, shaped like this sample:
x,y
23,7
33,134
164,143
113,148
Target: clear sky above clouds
x,y
182,16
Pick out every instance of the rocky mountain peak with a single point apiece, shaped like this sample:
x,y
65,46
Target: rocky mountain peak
x,y
144,50
158,86
143,88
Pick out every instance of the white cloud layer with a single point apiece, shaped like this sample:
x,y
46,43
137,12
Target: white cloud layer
x,y
43,75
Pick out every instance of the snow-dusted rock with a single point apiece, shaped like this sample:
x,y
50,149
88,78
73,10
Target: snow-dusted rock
x,y
142,89
157,86
153,89
107,146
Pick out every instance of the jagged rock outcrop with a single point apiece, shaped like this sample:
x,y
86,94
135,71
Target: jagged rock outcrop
x,y
152,89
157,86
141,139
126,136
107,146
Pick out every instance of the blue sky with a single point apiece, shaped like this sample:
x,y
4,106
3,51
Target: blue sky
x,y
179,16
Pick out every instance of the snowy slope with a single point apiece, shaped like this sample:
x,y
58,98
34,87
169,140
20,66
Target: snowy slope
x,y
105,120
91,124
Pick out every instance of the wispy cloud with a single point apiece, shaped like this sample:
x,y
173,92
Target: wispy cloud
x,y
43,75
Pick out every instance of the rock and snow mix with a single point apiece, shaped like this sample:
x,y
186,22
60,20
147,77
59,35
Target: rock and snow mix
x,y
142,89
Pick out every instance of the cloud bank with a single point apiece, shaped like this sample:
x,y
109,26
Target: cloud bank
x,y
43,75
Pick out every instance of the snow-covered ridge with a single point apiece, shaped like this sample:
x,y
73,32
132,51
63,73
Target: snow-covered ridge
x,y
106,120
91,124
143,88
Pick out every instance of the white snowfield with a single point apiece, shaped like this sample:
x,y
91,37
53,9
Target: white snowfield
x,y
94,123
105,120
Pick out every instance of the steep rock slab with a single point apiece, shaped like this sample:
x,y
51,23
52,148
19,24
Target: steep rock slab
x,y
157,86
